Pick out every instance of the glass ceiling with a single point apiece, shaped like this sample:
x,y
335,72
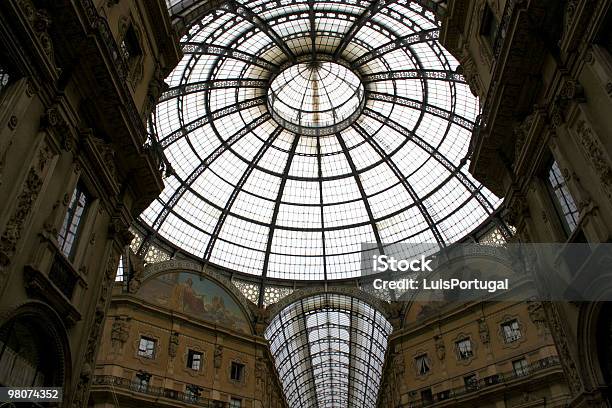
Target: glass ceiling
x,y
298,130
329,351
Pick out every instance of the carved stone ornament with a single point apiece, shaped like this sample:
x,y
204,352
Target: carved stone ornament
x,y
597,156
173,344
25,201
107,154
483,331
138,268
567,361
56,124
13,122
536,313
398,363
218,356
440,348
82,389
120,332
40,22
261,318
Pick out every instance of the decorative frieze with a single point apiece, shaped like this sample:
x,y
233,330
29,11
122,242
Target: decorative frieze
x,y
25,202
596,156
82,388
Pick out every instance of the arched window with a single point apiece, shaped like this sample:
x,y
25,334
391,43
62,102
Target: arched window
x,y
26,359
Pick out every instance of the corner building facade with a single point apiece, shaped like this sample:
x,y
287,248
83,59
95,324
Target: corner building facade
x,y
77,80
543,72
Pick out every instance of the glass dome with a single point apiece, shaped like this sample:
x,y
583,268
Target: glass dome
x,y
297,131
315,98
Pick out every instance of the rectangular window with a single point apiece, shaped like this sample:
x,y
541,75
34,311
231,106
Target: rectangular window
x,y
146,348
562,199
120,271
464,349
422,364
489,26
194,360
427,396
235,403
237,372
511,331
71,227
520,367
471,382
130,47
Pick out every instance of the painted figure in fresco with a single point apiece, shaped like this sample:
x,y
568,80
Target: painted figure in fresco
x,y
185,298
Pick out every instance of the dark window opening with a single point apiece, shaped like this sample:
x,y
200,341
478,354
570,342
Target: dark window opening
x,y
422,364
130,47
604,36
235,403
427,396
25,357
194,360
237,371
71,227
489,26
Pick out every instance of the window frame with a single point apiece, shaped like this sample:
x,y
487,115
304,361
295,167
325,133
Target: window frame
x,y
144,352
238,368
559,191
511,339
70,233
423,358
460,354
521,371
190,360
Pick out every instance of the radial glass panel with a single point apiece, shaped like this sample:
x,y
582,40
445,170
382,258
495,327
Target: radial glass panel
x,y
296,131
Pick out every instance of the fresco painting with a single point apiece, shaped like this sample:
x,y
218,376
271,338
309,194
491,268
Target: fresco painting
x,y
198,297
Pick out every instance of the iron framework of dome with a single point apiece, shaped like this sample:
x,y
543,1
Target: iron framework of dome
x,y
273,178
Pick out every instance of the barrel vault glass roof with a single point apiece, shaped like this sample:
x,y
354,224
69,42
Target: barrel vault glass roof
x,y
382,160
329,351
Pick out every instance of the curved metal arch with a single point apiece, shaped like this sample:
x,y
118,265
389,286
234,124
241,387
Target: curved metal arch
x,y
209,117
325,306
423,106
237,189
374,302
375,7
364,196
401,42
435,153
205,164
411,191
246,13
194,87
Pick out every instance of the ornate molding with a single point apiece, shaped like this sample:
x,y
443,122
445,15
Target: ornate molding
x,y
25,202
596,155
81,394
39,21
